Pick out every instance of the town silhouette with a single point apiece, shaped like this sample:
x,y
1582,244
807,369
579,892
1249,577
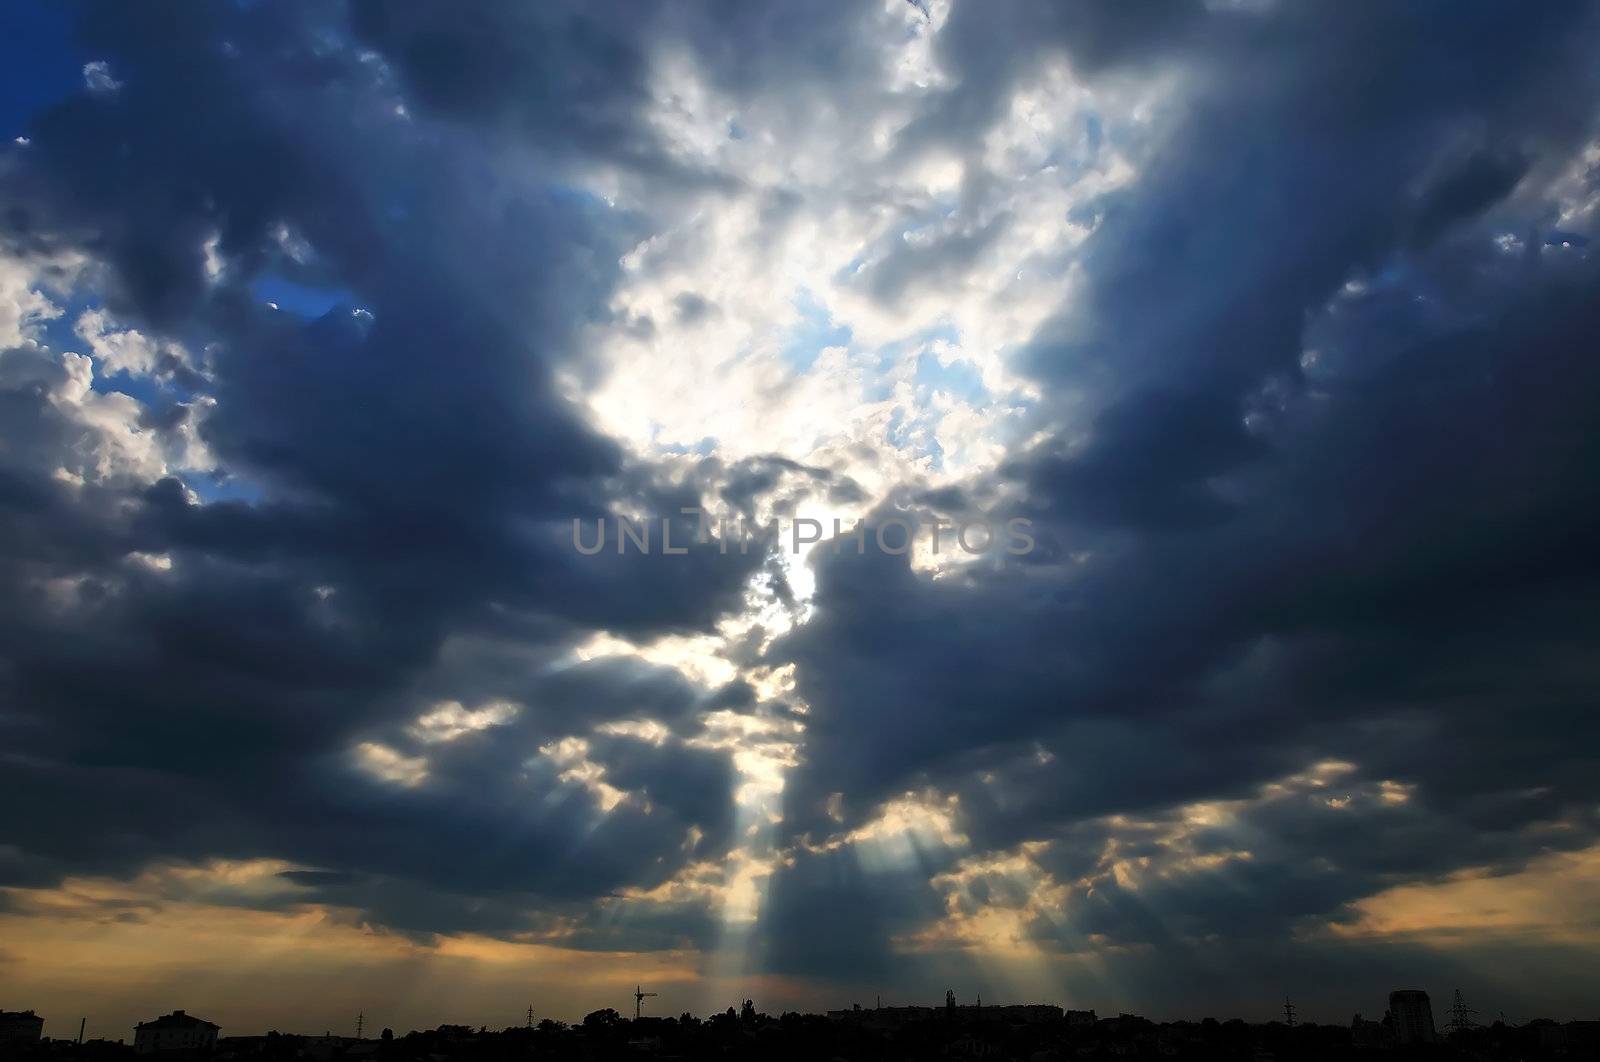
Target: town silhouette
x,y
1028,1032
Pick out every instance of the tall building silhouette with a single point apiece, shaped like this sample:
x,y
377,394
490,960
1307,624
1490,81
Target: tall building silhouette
x,y
1412,1015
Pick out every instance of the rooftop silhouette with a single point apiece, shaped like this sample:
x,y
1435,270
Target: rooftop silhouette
x,y
1035,1032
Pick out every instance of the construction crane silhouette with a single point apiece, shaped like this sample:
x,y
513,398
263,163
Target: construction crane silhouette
x,y
361,1022
639,996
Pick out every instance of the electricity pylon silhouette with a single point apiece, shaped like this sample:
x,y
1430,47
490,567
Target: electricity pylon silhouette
x,y
1461,1014
1288,1012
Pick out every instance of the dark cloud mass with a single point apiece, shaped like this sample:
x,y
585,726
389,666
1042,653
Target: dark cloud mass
x,y
1308,446
1377,556
393,473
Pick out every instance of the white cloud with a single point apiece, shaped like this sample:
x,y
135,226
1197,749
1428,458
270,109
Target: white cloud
x,y
838,272
386,764
97,78
448,720
125,350
23,307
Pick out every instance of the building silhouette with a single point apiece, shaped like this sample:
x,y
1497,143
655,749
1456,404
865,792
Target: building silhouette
x,y
20,1026
174,1032
892,1017
1412,1016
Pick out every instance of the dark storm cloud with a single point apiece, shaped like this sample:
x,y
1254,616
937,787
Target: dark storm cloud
x,y
490,797
575,78
410,476
827,916
1251,559
989,48
770,478
1291,859
415,470
1249,563
936,263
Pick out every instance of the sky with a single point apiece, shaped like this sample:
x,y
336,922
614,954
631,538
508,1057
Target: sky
x,y
322,326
